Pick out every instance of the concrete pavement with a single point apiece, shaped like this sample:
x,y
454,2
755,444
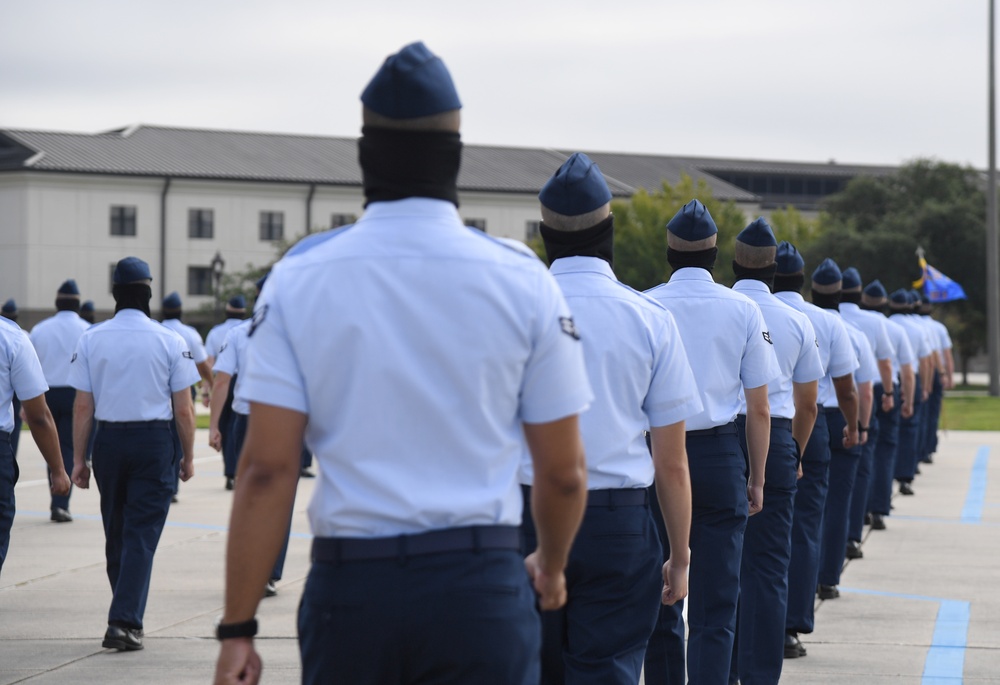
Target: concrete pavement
x,y
922,607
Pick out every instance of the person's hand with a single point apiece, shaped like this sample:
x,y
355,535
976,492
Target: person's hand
x,y
238,662
215,439
862,437
81,475
887,402
675,583
187,468
925,394
850,437
550,587
206,398
755,495
906,410
798,473
59,482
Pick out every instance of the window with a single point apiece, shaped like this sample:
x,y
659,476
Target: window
x,y
199,280
338,220
814,186
272,225
200,223
111,276
122,219
478,224
532,229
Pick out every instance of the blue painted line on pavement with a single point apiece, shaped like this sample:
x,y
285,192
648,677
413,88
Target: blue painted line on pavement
x,y
972,512
955,522
169,524
945,662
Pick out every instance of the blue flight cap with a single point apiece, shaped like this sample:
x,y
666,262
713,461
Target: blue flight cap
x,y
9,307
851,279
692,224
757,234
410,84
876,290
87,306
827,278
577,187
236,302
172,301
131,270
916,297
789,260
900,299
68,289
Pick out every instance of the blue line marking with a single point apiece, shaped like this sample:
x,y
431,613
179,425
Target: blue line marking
x,y
972,512
168,524
945,663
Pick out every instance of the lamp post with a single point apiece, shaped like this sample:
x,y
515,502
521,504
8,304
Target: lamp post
x,y
992,238
218,265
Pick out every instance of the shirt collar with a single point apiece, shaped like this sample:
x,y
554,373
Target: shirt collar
x,y
412,206
751,285
130,313
790,295
578,264
691,273
849,307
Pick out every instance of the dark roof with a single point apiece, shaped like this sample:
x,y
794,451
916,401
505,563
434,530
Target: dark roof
x,y
290,158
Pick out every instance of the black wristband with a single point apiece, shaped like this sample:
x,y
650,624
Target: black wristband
x,y
862,429
225,631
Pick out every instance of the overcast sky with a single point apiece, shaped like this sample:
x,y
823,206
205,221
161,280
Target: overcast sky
x,y
864,81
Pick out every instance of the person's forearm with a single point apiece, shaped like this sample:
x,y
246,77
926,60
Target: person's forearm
x,y
205,371
43,431
847,400
673,489
907,384
220,388
803,422
758,441
885,374
926,374
865,399
184,418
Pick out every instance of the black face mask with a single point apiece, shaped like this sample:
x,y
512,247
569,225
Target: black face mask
x,y
67,304
853,297
764,274
398,164
132,296
703,259
168,314
826,300
596,241
789,283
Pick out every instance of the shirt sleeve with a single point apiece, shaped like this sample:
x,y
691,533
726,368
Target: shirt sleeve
x,y
196,347
904,350
226,361
554,384
843,359
867,370
79,365
26,375
673,393
183,373
884,349
808,365
759,365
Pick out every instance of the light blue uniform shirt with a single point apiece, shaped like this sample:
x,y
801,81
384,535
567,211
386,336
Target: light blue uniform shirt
x,y
417,347
191,337
132,365
795,347
231,359
920,341
217,336
867,370
944,338
55,341
725,339
872,325
904,351
836,351
20,371
637,368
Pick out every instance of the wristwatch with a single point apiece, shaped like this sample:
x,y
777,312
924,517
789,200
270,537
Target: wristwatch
x,y
225,631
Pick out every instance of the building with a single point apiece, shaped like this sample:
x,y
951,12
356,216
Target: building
x,y
195,202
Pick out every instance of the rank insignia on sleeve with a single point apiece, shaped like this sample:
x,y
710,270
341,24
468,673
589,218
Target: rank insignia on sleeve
x,y
257,320
73,359
568,327
767,337
187,355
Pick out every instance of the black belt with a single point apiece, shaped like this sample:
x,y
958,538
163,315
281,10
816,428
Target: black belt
x,y
472,538
618,497
829,410
780,422
134,424
725,429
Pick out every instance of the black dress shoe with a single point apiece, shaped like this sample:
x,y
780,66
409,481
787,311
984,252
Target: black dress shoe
x,y
828,592
230,483
854,550
306,473
793,648
868,518
916,471
122,639
60,515
270,590
905,488
878,523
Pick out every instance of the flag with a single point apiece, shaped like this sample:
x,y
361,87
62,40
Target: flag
x,y
935,285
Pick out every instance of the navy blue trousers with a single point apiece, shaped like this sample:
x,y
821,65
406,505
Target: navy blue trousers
x,y
807,522
134,471
910,438
843,471
237,436
15,436
60,401
8,478
884,460
456,617
932,418
863,482
767,547
613,581
718,521
664,662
